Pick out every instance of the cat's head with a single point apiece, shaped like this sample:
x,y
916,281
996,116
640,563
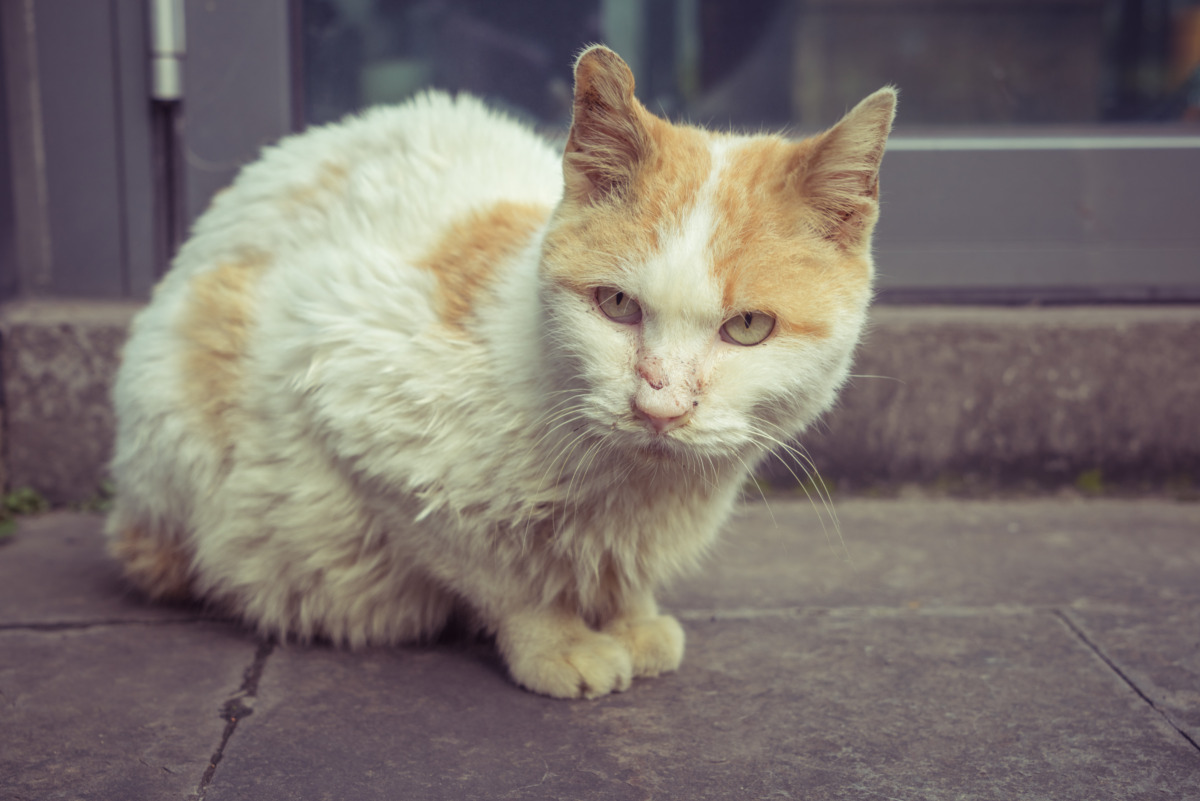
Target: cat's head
x,y
705,291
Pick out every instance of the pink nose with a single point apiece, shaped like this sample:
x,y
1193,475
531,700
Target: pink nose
x,y
661,424
663,410
662,403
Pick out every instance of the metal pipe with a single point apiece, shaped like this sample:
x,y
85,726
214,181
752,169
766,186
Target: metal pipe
x,y
168,47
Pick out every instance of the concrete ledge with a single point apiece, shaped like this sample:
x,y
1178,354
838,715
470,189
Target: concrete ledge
x,y
990,398
57,362
1021,398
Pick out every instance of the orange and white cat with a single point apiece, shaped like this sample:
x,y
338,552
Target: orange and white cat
x,y
418,363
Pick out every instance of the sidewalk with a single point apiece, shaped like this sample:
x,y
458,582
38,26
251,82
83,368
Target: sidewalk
x,y
1045,649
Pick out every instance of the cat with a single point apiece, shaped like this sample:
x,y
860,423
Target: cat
x,y
419,364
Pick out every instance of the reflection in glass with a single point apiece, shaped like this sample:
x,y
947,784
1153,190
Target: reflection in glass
x,y
772,62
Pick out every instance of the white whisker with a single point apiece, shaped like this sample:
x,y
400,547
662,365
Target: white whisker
x,y
805,463
880,377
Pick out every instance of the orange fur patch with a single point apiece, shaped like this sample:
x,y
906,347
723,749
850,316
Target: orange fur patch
x,y
589,243
766,252
158,567
464,261
215,327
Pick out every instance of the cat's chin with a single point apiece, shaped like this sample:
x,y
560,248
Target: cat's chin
x,y
659,447
662,446
639,439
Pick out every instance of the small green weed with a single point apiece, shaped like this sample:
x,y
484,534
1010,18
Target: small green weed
x,y
1090,482
24,501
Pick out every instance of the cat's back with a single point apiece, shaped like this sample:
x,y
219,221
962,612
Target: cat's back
x,y
393,177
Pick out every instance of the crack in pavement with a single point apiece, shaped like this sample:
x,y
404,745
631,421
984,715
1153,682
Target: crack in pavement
x,y
856,612
236,708
1079,633
72,625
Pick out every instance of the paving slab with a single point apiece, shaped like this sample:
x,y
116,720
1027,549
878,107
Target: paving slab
x,y
804,706
55,572
932,650
941,554
115,712
1156,651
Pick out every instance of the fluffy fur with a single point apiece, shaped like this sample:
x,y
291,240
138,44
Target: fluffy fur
x,y
390,377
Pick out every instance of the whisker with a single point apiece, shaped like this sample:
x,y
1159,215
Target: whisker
x,y
583,468
562,452
806,464
757,486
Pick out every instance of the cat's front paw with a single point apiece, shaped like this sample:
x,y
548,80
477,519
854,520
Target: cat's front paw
x,y
654,643
569,661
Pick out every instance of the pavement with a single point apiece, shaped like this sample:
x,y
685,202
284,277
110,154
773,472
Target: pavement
x,y
934,649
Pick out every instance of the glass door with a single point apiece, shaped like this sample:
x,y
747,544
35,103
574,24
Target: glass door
x,y
1045,150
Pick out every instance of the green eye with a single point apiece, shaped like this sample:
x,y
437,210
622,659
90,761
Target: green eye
x,y
748,328
618,306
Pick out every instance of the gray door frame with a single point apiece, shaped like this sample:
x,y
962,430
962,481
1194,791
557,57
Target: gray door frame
x,y
83,215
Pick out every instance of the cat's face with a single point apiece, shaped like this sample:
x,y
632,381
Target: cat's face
x,y
704,291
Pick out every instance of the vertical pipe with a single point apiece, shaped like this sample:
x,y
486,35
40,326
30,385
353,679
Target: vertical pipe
x,y
168,48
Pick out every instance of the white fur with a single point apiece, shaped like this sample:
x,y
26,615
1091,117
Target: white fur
x,y
385,472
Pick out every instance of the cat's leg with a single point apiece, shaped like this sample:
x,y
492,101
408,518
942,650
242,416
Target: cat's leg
x,y
654,640
554,652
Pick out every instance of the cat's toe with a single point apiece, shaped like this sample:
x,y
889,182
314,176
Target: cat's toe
x,y
655,644
587,667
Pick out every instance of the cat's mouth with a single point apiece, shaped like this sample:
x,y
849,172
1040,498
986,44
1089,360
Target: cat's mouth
x,y
654,436
656,439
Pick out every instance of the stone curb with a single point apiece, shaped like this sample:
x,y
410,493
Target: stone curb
x,y
956,396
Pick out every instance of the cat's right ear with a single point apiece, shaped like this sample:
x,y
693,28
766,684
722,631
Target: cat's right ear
x,y
608,137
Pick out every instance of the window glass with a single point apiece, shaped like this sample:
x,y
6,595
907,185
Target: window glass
x,y
772,62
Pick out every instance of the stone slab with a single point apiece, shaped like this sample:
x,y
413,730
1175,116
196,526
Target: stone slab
x,y
1157,651
807,706
54,571
945,554
114,712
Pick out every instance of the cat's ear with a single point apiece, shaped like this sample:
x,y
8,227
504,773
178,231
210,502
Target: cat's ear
x,y
840,173
608,137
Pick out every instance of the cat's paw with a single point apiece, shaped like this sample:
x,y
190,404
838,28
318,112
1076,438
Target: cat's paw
x,y
654,643
580,663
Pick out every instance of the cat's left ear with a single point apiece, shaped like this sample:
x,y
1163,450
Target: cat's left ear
x,y
608,138
840,174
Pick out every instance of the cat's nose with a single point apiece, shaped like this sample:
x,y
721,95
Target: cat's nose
x,y
662,409
664,424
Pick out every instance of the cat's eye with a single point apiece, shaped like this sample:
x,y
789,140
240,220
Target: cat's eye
x,y
748,328
618,306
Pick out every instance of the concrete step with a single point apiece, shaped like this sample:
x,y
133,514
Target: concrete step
x,y
964,398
